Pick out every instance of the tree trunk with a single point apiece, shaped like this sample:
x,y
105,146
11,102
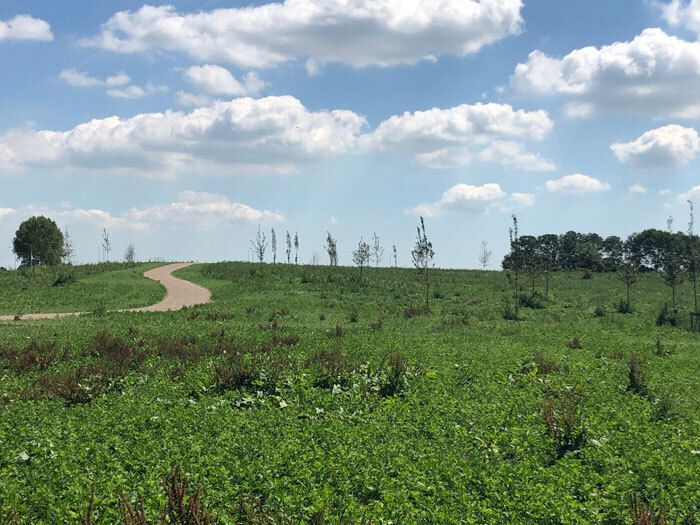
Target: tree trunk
x,y
427,285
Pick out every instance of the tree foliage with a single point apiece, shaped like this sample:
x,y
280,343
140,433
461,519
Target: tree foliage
x,y
38,240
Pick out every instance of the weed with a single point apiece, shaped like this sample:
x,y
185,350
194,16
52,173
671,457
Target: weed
x,y
329,367
574,344
395,379
642,513
411,312
667,316
353,317
624,307
664,407
336,332
636,377
562,417
535,300
587,274
599,311
660,349
543,365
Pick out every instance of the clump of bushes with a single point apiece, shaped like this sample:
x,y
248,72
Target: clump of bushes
x,y
624,307
561,412
599,311
543,365
329,367
64,279
534,300
37,356
667,316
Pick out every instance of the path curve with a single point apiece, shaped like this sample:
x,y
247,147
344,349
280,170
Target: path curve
x,y
178,295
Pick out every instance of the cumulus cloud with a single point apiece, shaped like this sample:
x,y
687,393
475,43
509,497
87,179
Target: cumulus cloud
x,y
693,194
76,78
354,32
681,13
196,209
444,138
25,27
663,147
217,80
271,134
133,91
654,74
576,183
465,198
636,189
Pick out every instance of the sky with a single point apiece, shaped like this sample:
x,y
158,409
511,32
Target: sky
x,y
181,127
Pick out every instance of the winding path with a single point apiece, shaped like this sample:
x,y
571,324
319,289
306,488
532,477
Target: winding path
x,y
179,294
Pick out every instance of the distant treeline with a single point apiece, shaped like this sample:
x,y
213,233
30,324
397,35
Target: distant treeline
x,y
648,250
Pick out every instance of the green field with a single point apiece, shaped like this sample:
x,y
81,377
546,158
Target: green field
x,y
77,288
307,395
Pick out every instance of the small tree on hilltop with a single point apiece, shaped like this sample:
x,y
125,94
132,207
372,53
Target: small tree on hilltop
x,y
259,245
693,254
514,260
377,250
422,255
361,255
332,249
273,242
68,249
396,257
628,273
130,253
289,248
484,255
106,244
38,239
296,248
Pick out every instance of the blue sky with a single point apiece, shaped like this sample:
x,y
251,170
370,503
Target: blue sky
x,y
180,127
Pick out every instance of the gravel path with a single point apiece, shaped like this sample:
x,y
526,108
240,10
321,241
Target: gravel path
x,y
179,294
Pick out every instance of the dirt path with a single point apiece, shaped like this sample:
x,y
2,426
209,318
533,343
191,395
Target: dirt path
x,y
179,294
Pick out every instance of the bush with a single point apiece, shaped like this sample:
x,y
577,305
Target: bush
x,y
543,365
574,344
64,279
353,317
624,307
587,274
411,312
509,312
535,300
667,316
599,311
664,407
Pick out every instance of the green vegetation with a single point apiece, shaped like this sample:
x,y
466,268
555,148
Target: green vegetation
x,y
46,289
308,395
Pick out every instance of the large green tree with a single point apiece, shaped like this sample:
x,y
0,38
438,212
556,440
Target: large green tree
x,y
38,239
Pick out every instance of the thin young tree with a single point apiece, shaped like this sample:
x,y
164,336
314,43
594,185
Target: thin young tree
x,y
130,253
296,248
484,255
273,245
361,255
377,251
672,264
332,249
515,259
259,245
106,244
422,255
396,257
289,248
628,273
68,249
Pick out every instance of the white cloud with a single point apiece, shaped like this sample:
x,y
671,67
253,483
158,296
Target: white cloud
x,y
636,189
196,209
217,80
663,147
190,99
354,32
443,138
463,198
134,92
523,200
25,27
681,13
576,183
76,78
693,194
270,134
654,74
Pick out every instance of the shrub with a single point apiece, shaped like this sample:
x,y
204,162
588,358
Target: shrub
x,y
664,408
667,316
64,279
353,317
660,349
642,513
534,301
395,378
336,332
236,374
624,307
100,310
636,378
76,387
587,274
322,317
543,365
574,344
509,313
563,420
437,294
411,312
35,357
599,311
376,326
329,367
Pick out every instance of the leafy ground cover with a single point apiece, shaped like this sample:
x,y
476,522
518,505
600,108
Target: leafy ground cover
x,y
77,288
307,395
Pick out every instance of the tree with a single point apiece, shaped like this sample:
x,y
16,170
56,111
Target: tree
x,y
68,250
289,248
273,242
296,248
693,254
515,259
361,255
130,253
484,255
628,274
38,239
422,255
672,263
396,257
259,245
377,250
332,249
106,244
548,250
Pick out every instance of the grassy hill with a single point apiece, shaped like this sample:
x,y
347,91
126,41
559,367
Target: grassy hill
x,y
307,395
